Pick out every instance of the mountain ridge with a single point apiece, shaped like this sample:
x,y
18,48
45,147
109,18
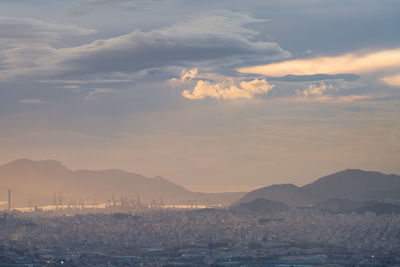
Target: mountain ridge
x,y
38,180
352,184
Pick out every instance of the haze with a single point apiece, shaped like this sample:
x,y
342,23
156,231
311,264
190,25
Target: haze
x,y
213,95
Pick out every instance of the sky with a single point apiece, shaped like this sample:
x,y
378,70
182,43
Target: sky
x,y
216,96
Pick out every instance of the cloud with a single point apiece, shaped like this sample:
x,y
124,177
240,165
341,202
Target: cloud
x,y
34,101
97,91
316,90
219,37
324,98
335,99
186,75
85,6
26,56
218,90
34,29
326,93
218,86
221,88
208,38
356,63
316,77
69,86
392,80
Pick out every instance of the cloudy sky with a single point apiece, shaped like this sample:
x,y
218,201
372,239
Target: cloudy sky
x,y
220,95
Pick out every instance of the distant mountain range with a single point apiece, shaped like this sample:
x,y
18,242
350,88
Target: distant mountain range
x,y
37,181
348,184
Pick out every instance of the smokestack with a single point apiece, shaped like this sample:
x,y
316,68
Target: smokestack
x,y
55,201
9,199
60,201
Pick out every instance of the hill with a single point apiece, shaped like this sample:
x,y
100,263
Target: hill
x,y
378,208
36,181
335,206
348,184
286,193
259,207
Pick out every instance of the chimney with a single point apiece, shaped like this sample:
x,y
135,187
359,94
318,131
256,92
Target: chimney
x,y
9,199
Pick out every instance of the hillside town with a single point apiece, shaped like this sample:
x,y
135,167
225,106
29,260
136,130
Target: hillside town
x,y
199,237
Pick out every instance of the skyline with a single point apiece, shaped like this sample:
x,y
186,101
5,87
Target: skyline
x,y
209,95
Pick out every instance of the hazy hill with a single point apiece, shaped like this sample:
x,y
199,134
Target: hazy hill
x,y
338,206
286,193
260,207
378,208
356,185
38,180
349,184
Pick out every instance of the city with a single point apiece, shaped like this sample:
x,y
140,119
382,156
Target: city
x,y
170,133
197,237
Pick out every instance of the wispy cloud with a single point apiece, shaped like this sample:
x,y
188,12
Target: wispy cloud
x,y
335,99
97,91
85,6
316,77
34,101
74,87
186,75
31,30
325,93
392,80
356,63
323,99
316,90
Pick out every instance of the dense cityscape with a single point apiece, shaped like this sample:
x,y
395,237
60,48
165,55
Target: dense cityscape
x,y
198,237
168,133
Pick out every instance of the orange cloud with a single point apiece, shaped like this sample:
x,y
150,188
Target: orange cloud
x,y
334,99
392,80
317,90
348,63
224,90
219,86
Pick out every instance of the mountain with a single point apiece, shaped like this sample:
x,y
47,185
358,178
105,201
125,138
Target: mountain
x,y
259,207
355,184
286,193
349,184
336,206
378,208
38,180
